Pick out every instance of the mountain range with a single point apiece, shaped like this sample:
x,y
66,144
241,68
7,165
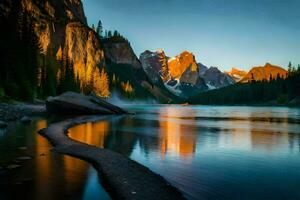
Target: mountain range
x,y
108,65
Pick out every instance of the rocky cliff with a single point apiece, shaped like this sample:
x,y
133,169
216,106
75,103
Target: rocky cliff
x,y
62,31
100,65
214,78
179,64
126,71
180,74
266,72
155,64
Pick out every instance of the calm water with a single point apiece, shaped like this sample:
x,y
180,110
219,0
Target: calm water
x,y
207,152
210,152
47,176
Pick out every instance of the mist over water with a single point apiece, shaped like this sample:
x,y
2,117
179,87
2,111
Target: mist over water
x,y
117,99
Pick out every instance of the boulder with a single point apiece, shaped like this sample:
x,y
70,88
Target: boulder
x,y
23,158
71,103
25,120
3,124
13,166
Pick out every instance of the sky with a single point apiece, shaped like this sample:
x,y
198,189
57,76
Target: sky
x,y
221,33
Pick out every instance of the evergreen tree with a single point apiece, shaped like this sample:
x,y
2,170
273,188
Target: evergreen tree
x,y
109,34
100,29
116,33
290,67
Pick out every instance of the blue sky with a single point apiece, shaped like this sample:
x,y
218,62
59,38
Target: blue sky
x,y
222,33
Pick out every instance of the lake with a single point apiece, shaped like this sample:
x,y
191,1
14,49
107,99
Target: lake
x,y
208,152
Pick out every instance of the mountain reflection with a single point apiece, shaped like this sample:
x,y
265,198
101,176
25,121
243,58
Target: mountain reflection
x,y
46,165
91,133
177,137
170,134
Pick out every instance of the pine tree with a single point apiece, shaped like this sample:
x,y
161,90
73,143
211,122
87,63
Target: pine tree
x,y
290,67
100,29
109,34
116,33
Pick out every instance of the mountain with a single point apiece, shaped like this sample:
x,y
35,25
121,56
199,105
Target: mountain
x,y
179,64
127,75
236,74
202,68
214,78
155,64
103,66
266,72
62,33
179,75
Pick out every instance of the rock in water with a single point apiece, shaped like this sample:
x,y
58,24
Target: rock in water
x,y
71,103
3,124
13,166
23,158
25,120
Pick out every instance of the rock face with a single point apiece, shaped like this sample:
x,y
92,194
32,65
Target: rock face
x,y
155,64
25,120
179,64
180,75
236,74
86,53
62,31
214,78
202,68
266,72
127,74
74,103
119,51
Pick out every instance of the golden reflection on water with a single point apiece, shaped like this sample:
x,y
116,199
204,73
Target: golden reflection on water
x,y
91,133
178,131
176,137
55,174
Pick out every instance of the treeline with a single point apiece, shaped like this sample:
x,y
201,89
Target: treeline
x,y
276,91
108,35
25,72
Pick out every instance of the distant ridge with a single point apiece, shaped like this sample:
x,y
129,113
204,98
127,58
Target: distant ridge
x,y
236,74
266,72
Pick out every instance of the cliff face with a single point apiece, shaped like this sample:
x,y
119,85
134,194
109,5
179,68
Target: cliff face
x,y
179,64
214,78
83,48
155,65
62,31
120,52
125,69
264,73
179,75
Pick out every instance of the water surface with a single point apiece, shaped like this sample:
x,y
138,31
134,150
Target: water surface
x,y
47,175
209,152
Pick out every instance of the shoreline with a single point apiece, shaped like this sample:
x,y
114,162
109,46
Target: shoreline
x,y
123,178
12,112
